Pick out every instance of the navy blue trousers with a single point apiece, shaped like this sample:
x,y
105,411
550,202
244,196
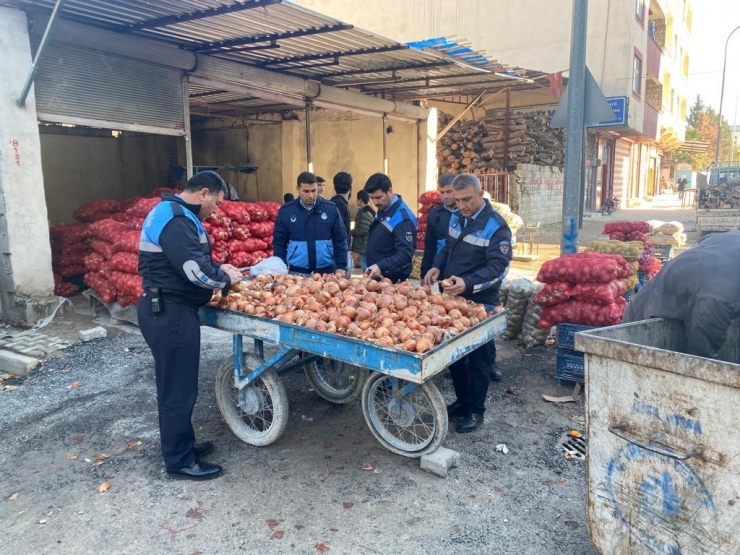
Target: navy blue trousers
x,y
470,377
173,335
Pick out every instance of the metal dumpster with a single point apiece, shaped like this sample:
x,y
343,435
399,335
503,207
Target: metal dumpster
x,y
664,443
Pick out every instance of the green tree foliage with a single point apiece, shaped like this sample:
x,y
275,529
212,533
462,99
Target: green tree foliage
x,y
702,126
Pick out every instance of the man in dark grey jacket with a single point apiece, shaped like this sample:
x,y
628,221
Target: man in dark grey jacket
x,y
699,288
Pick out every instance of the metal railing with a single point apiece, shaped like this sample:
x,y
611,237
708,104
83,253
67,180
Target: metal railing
x,y
496,184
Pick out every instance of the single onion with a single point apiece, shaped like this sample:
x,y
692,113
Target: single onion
x,y
423,345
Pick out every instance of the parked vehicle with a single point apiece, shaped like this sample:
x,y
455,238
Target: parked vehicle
x,y
719,200
611,204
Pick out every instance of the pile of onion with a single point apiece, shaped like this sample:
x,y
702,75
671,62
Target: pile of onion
x,y
400,316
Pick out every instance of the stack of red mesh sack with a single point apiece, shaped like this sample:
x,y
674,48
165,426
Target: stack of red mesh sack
x,y
583,288
636,231
69,245
113,263
241,232
427,201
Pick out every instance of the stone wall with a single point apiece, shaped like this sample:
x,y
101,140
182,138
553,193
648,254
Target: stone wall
x,y
537,193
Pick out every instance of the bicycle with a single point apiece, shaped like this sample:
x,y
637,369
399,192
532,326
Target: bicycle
x,y
611,204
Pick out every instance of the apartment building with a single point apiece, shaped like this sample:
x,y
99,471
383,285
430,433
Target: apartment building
x,y
637,50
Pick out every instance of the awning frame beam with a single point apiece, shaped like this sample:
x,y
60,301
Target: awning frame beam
x,y
224,45
202,14
325,55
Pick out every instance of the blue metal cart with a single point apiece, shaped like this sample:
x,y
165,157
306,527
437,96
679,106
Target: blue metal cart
x,y
402,406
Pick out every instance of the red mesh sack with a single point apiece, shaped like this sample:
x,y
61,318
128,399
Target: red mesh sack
x,y
125,262
93,210
553,293
142,207
102,286
103,247
599,293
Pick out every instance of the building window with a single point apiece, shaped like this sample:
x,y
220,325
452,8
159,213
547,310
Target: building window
x,y
640,10
637,74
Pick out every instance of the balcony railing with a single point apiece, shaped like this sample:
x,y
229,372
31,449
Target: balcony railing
x,y
653,58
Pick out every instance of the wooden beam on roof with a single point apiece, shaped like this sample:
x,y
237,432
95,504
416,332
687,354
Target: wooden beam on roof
x,y
229,45
335,55
201,14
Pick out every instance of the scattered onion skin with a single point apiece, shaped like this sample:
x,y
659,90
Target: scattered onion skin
x,y
398,316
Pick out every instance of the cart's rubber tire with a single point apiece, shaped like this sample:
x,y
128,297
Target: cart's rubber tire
x,y
336,381
423,410
267,418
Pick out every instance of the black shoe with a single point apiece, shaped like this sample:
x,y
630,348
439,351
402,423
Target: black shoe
x,y
470,423
495,375
202,449
456,410
198,470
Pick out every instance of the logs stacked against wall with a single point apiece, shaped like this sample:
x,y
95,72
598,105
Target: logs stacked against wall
x,y
480,146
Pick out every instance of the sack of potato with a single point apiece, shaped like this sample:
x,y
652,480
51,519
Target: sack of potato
x,y
629,250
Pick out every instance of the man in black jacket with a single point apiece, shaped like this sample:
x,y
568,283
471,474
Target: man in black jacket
x,y
343,189
474,260
438,220
390,243
179,276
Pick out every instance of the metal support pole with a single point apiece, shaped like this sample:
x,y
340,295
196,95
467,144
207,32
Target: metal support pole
x,y
576,124
734,124
309,156
42,46
385,144
186,122
721,99
507,125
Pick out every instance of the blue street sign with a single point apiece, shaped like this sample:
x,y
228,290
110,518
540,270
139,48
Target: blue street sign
x,y
618,104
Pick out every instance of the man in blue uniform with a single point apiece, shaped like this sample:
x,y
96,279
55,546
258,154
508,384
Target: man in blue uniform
x,y
392,237
475,260
179,276
438,220
309,233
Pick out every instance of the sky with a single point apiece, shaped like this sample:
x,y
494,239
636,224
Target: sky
x,y
714,20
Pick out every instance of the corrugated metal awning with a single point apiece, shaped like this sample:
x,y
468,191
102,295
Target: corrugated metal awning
x,y
283,37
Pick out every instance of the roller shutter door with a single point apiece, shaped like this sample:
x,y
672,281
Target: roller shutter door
x,y
96,89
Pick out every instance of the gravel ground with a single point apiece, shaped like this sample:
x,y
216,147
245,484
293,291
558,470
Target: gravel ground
x,y
306,493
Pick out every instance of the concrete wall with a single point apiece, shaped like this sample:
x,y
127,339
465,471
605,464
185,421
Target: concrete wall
x,y
79,168
537,193
26,282
342,141
244,144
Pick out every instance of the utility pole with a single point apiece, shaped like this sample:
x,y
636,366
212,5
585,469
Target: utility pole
x,y
572,198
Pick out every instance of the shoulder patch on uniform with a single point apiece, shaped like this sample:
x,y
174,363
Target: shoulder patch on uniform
x,y
409,236
504,246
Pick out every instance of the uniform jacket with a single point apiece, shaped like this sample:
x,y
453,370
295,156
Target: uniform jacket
x,y
363,221
175,254
343,206
438,220
480,253
391,241
310,240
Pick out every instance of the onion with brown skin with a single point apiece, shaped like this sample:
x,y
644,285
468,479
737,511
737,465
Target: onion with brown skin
x,y
399,316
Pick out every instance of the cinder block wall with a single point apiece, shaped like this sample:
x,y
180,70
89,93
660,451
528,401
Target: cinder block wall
x,y
537,193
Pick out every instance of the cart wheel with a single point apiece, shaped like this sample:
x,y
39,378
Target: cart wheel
x,y
258,413
418,428
336,381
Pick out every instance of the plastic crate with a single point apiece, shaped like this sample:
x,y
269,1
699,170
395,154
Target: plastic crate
x,y
566,333
663,252
629,295
570,368
642,278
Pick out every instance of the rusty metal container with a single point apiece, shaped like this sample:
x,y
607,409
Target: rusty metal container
x,y
663,443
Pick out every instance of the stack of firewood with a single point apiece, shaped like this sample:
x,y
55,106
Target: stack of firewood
x,y
479,146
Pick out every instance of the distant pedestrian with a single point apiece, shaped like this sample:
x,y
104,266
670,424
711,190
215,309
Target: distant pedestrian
x,y
681,187
343,189
320,184
363,222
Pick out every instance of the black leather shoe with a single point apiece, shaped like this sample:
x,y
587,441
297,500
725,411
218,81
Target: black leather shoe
x,y
456,410
470,423
495,375
198,470
202,449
